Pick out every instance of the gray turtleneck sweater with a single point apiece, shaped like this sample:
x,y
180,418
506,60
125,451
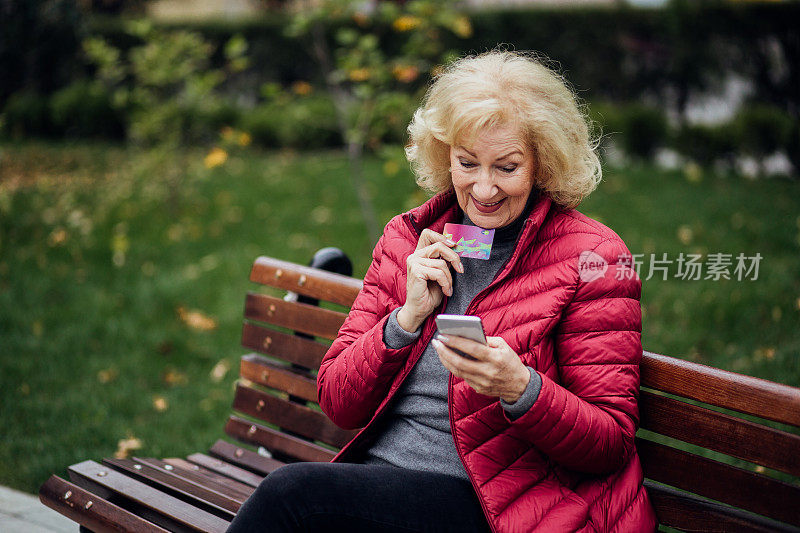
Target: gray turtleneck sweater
x,y
416,432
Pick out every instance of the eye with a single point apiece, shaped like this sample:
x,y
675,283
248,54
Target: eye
x,y
466,164
508,169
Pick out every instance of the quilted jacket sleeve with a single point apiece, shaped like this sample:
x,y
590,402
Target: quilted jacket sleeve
x,y
358,369
587,423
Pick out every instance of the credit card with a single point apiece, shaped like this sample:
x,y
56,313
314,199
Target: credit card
x,y
471,241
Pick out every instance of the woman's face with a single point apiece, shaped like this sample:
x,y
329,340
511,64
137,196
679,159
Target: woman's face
x,y
494,177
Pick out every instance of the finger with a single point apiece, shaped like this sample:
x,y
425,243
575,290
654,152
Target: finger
x,y
441,249
479,351
437,275
497,342
457,364
428,237
441,265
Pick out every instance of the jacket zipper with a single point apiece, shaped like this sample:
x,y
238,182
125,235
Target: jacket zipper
x,y
500,273
461,456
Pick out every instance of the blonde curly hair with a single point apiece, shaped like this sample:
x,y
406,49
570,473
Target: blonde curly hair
x,y
506,88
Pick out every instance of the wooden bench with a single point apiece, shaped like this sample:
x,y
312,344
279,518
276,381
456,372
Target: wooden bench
x,y
719,414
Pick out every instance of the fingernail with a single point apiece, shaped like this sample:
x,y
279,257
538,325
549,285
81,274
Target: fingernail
x,y
449,242
436,343
460,267
441,338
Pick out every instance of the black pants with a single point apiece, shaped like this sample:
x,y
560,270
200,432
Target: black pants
x,y
357,497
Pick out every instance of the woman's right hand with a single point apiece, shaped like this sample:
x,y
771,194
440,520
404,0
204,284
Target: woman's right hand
x,y
428,278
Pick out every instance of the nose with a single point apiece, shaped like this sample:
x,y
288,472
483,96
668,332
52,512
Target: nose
x,y
484,187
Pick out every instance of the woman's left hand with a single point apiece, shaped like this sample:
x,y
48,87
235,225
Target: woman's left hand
x,y
495,371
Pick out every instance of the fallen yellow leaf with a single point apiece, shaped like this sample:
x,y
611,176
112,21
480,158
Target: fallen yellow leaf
x,y
126,446
173,377
220,370
216,157
107,375
160,404
196,319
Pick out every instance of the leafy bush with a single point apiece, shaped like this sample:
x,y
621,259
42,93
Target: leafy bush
x,y
607,121
763,129
39,45
643,130
393,112
706,144
85,109
298,122
26,115
166,84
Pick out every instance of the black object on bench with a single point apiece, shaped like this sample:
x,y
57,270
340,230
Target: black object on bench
x,y
720,414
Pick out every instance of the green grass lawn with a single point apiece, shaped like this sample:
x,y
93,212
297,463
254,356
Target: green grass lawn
x,y
106,255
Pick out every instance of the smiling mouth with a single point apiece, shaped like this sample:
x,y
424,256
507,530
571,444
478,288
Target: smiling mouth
x,y
487,207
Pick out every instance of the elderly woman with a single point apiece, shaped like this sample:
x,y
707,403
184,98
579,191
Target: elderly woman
x,y
533,431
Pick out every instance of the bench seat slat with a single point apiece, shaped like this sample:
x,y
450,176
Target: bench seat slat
x,y
152,504
204,475
712,479
305,280
214,464
290,416
301,317
733,436
191,473
276,441
690,513
91,511
291,348
244,458
261,370
167,481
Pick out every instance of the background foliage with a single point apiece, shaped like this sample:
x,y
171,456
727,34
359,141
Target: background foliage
x,y
641,66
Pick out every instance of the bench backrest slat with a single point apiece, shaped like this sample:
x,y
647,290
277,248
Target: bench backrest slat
x,y
301,317
689,513
277,442
262,371
290,416
713,479
745,394
307,281
291,348
746,440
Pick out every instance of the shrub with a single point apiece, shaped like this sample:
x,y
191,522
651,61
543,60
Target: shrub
x,y
25,115
84,109
763,129
304,122
706,144
607,121
166,84
643,130
39,45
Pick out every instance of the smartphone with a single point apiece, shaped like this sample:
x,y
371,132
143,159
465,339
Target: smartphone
x,y
466,326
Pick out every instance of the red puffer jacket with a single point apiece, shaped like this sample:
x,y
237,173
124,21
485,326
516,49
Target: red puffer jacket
x,y
569,463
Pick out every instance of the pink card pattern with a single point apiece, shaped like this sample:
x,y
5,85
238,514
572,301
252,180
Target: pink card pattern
x,y
471,241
